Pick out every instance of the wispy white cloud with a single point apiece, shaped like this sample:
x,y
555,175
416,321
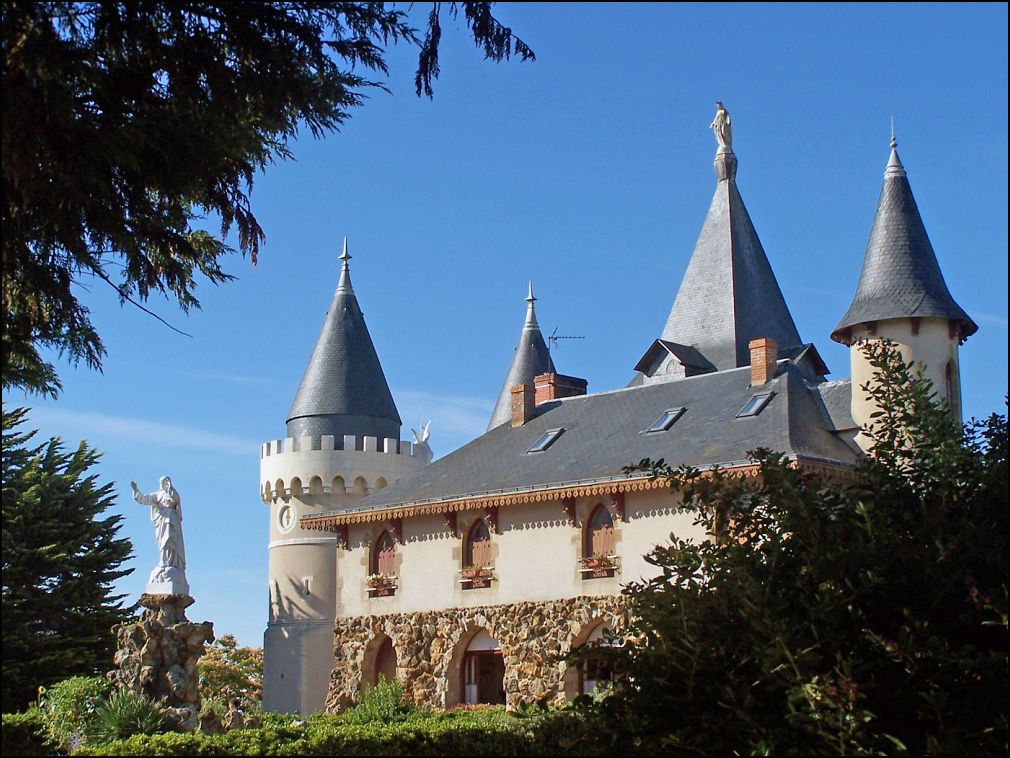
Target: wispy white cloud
x,y
991,318
84,424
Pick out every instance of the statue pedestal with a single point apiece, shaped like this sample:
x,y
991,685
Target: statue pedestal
x,y
167,580
157,655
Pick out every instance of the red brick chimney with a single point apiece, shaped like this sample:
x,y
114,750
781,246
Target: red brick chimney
x,y
557,386
764,353
522,404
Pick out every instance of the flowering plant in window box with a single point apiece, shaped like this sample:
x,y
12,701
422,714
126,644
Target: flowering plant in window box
x,y
599,562
378,581
476,572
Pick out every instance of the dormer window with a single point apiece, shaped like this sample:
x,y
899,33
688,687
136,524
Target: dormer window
x,y
546,440
756,404
666,420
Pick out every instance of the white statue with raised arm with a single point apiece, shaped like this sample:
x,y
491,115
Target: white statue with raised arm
x,y
169,576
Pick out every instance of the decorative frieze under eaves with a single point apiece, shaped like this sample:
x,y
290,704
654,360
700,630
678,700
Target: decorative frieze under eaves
x,y
338,521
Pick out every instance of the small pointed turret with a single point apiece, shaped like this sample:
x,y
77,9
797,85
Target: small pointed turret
x,y
729,294
902,297
344,390
531,359
900,277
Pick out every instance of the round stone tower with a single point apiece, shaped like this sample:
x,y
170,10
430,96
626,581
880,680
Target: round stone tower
x,y
342,444
902,296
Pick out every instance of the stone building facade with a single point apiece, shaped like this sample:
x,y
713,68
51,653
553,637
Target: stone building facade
x,y
467,579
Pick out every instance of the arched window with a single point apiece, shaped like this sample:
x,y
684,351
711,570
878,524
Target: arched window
x,y
599,537
383,560
477,550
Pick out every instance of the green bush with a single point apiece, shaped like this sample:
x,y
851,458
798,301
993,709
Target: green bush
x,y
124,714
454,733
68,708
383,702
25,734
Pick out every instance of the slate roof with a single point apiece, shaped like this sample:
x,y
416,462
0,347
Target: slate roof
x,y
343,390
900,277
531,359
729,295
605,432
837,399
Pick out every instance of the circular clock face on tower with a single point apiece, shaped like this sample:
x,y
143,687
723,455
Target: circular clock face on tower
x,y
286,518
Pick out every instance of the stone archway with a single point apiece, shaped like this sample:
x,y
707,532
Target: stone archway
x,y
476,672
581,679
380,660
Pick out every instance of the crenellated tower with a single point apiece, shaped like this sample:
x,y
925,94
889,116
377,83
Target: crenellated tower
x,y
902,296
342,443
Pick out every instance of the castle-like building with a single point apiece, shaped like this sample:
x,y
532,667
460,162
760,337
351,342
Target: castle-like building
x,y
466,579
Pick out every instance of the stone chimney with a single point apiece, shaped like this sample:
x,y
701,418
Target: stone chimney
x,y
764,352
522,404
556,386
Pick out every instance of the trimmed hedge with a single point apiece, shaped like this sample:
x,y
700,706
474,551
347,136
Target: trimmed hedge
x,y
436,734
25,734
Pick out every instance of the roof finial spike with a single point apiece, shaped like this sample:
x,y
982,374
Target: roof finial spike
x,y
531,313
344,285
894,167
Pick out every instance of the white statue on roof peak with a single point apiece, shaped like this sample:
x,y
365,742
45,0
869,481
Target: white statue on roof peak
x,y
722,125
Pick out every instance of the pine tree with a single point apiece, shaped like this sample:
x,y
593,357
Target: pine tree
x,y
61,555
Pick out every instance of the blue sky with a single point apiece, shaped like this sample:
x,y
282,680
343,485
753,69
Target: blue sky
x,y
589,172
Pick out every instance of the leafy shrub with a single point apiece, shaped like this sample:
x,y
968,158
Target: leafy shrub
x,y
25,734
228,671
68,708
435,734
826,617
124,714
382,702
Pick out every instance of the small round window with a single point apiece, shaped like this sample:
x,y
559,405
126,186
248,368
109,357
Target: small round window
x,y
286,518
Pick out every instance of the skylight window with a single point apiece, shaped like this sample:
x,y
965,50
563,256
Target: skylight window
x,y
756,404
665,420
546,440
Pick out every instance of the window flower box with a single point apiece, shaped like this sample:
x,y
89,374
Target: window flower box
x,y
474,577
598,566
381,585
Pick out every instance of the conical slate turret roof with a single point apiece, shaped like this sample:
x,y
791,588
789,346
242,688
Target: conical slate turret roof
x,y
729,295
344,390
901,277
531,359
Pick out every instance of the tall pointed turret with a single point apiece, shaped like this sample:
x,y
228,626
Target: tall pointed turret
x,y
344,390
531,359
342,444
729,295
901,277
902,297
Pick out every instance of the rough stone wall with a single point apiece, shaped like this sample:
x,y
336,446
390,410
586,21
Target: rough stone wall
x,y
158,655
430,645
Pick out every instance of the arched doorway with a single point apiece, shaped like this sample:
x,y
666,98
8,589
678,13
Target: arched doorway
x,y
379,661
483,671
583,677
595,671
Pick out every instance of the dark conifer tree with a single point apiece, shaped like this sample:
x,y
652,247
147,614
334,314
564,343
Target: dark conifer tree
x,y
61,554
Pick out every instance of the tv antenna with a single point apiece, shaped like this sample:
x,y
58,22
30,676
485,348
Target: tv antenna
x,y
553,339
